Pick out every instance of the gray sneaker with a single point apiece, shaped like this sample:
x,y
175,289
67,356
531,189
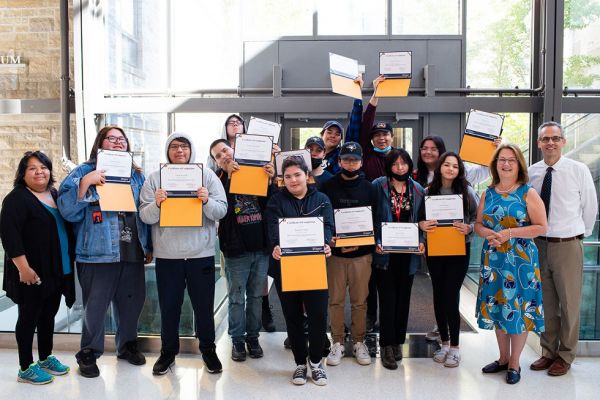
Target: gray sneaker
x,y
433,335
299,377
361,353
318,375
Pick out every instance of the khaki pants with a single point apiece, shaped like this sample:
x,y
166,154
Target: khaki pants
x,y
353,273
561,267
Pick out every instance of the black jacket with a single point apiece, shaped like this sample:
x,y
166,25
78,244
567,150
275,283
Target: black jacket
x,y
27,228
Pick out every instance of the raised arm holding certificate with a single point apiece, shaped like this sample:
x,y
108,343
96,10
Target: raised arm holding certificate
x,y
182,206
354,227
116,193
400,237
302,242
445,239
343,72
252,153
396,66
482,129
263,127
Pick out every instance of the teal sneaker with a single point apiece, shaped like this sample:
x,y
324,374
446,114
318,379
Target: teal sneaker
x,y
52,366
34,375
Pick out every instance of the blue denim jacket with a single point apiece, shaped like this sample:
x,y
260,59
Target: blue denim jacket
x,y
97,243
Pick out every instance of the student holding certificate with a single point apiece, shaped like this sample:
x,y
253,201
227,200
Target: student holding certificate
x,y
350,267
111,250
185,257
243,241
448,272
234,124
399,200
298,200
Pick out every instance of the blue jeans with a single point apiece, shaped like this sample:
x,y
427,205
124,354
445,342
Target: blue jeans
x,y
246,276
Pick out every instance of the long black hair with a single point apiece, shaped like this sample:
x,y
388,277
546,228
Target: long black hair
x,y
422,171
460,185
22,167
392,156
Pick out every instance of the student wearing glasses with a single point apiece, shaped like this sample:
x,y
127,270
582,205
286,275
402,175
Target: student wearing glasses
x,y
111,249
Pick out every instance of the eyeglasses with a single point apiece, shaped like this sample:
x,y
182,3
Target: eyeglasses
x,y
507,160
116,139
234,123
431,149
547,139
179,146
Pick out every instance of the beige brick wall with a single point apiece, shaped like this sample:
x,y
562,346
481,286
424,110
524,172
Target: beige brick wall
x,y
31,29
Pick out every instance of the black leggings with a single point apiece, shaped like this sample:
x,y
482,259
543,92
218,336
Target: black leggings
x,y
36,312
447,276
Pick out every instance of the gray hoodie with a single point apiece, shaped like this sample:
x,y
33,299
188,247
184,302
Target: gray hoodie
x,y
185,242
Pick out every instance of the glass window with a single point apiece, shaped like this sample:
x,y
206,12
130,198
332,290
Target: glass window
x,y
426,17
272,19
581,55
351,17
499,43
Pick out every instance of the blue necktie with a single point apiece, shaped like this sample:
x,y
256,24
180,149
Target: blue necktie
x,y
547,189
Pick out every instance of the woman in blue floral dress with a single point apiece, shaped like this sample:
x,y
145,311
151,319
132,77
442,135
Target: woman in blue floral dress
x,y
509,299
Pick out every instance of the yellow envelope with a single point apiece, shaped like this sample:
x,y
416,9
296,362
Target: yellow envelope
x,y
477,150
345,86
355,241
249,180
307,272
393,88
116,197
181,212
445,241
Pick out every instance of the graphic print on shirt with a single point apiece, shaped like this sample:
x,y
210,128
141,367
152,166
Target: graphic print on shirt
x,y
246,209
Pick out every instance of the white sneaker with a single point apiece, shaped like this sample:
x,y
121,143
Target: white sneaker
x,y
318,374
336,353
361,353
433,335
452,359
299,377
441,354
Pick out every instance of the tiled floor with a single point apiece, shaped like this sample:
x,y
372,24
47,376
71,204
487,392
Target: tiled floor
x,y
269,378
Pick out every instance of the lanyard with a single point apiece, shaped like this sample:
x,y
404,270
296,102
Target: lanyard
x,y
398,204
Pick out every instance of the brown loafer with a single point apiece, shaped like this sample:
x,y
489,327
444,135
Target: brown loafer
x,y
541,364
559,367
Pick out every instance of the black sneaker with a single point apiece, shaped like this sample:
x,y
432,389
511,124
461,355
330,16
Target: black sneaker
x,y
132,354
254,349
211,361
267,319
87,364
164,363
238,351
286,344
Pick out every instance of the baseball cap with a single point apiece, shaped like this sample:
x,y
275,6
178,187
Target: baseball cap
x,y
329,124
381,127
315,140
351,150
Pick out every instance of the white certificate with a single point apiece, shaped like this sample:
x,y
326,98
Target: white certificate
x,y
485,124
343,66
353,222
397,64
301,235
181,180
445,209
400,237
263,127
252,149
282,155
116,164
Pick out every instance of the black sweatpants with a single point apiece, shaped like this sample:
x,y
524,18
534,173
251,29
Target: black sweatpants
x,y
394,286
36,312
293,305
447,276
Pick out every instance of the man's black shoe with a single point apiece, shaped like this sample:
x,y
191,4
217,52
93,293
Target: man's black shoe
x,y
267,320
211,361
254,349
132,354
87,364
164,363
238,351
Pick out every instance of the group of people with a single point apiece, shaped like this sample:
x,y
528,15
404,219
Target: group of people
x,y
533,222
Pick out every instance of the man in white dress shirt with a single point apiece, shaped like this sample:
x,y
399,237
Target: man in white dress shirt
x,y
567,189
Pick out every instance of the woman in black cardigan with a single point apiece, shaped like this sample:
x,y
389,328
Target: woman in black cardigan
x,y
38,270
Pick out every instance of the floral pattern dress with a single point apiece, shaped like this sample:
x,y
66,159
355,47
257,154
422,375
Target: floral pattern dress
x,y
510,289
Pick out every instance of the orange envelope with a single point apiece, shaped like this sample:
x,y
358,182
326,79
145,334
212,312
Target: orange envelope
x,y
445,241
116,197
306,272
393,88
249,180
345,86
355,241
477,150
180,212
